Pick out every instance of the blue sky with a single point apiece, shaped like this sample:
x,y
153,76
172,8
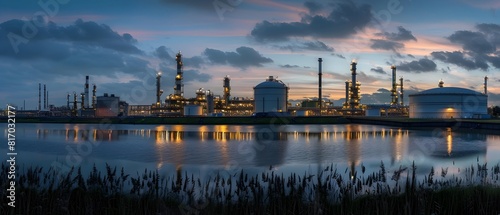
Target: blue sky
x,y
122,44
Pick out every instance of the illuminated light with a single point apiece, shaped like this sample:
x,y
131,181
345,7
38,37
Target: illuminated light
x,y
449,143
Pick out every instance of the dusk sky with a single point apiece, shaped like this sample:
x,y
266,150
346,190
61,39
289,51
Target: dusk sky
x,y
122,44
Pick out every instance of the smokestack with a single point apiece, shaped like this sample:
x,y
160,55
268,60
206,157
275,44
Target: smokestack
x,y
39,97
94,90
158,90
319,84
47,99
394,90
44,97
485,85
67,101
86,100
402,90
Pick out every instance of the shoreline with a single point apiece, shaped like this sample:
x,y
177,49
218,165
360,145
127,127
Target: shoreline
x,y
468,124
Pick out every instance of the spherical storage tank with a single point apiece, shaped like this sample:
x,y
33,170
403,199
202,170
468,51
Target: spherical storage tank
x,y
447,102
270,96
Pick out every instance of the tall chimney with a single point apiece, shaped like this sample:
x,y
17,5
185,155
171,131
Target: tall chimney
x,y
86,101
402,90
485,85
320,97
44,97
47,99
94,90
39,97
67,101
394,90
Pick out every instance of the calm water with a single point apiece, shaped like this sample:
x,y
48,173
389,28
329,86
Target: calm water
x,y
291,148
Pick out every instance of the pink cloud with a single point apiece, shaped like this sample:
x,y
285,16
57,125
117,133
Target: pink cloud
x,y
484,4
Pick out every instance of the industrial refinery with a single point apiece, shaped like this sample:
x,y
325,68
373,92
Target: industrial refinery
x,y
270,97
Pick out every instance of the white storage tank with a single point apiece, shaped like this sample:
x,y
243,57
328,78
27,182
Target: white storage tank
x,y
448,102
193,110
302,113
270,96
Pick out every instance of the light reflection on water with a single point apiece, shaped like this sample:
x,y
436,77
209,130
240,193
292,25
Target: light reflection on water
x,y
260,146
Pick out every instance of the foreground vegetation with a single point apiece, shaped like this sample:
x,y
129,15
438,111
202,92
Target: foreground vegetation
x,y
330,191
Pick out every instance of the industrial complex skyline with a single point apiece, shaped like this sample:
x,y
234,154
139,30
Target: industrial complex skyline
x,y
122,45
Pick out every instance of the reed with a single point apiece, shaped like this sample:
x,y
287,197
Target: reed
x,y
112,191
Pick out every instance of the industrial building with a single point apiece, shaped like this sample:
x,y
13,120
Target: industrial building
x,y
272,96
448,102
110,106
352,103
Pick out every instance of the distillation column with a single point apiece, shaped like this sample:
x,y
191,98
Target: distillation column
x,y
94,98
394,90
227,90
158,90
178,89
347,92
86,99
401,91
354,88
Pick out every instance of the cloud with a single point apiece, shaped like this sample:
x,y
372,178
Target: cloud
x,y
473,41
289,66
458,58
494,60
343,21
166,54
422,65
391,42
196,4
338,55
378,70
188,75
244,57
56,42
492,32
309,45
402,35
313,7
386,45
162,52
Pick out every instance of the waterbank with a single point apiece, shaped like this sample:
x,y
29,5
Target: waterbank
x,y
331,191
455,124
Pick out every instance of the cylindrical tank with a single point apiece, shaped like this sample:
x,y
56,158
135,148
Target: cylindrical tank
x,y
193,110
302,113
270,96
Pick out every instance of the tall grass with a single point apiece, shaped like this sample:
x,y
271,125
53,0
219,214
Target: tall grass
x,y
45,191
